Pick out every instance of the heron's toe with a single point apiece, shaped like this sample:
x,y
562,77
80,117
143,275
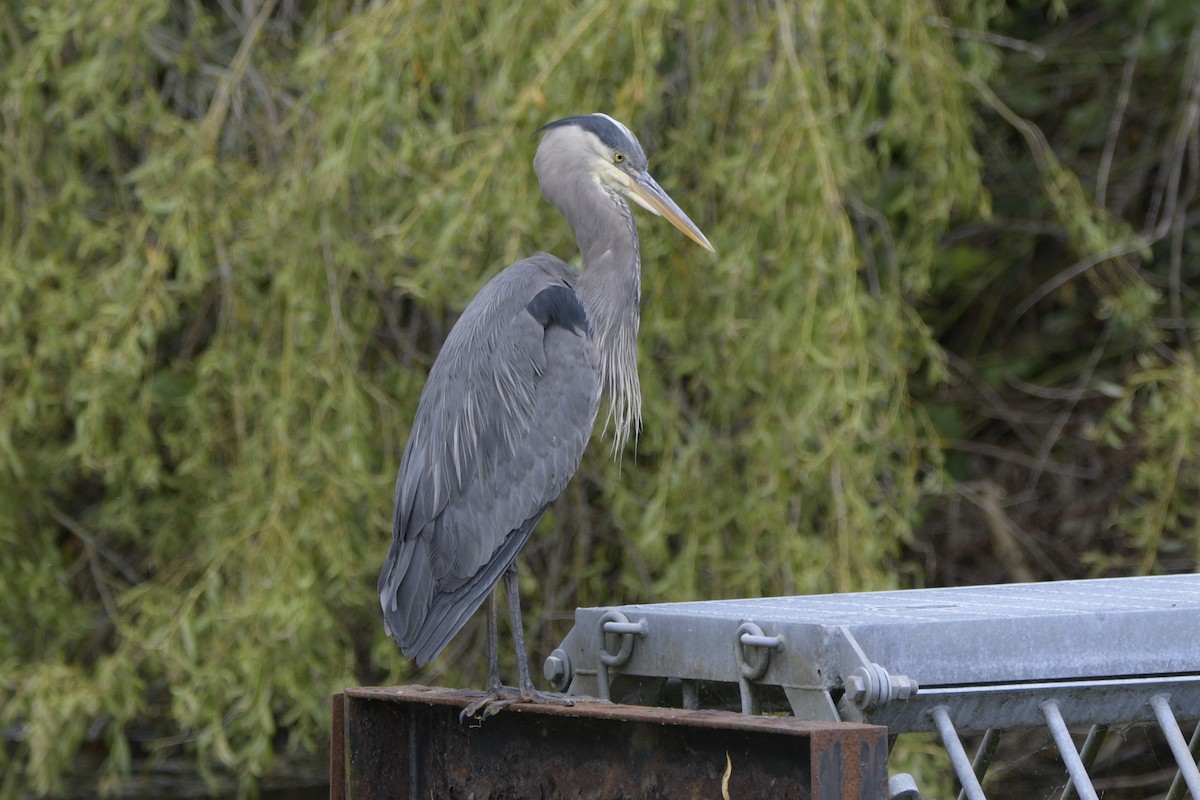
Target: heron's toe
x,y
546,698
490,703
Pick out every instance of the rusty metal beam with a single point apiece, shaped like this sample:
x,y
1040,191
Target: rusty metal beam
x,y
337,746
407,742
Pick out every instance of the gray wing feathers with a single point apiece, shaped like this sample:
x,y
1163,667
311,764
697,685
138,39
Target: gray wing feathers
x,y
503,421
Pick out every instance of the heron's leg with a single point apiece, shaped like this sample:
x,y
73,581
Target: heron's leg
x,y
493,681
496,696
524,681
513,592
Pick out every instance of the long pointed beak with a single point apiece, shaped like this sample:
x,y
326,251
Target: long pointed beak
x,y
646,192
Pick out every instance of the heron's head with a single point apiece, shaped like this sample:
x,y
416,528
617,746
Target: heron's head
x,y
596,153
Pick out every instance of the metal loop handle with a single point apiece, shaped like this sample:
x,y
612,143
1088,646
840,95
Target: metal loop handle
x,y
614,622
750,636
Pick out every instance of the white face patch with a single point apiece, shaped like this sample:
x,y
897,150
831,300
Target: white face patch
x,y
604,170
616,179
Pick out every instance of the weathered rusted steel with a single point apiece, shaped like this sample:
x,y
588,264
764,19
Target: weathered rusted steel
x,y
337,745
407,742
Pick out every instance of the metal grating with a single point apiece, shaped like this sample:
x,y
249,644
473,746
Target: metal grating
x,y
956,660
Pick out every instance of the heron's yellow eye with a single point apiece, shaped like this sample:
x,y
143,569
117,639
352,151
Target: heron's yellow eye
x,y
618,158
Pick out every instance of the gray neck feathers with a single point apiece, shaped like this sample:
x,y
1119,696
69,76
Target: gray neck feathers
x,y
610,290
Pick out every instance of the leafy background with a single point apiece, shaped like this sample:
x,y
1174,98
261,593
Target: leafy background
x,y
950,335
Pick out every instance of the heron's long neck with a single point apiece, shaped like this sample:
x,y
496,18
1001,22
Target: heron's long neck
x,y
610,289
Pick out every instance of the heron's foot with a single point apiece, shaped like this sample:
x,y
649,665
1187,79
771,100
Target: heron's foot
x,y
499,698
531,695
495,700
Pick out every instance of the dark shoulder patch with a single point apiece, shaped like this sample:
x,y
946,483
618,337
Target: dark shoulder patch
x,y
559,305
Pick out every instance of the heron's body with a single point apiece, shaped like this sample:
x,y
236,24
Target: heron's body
x,y
511,400
495,439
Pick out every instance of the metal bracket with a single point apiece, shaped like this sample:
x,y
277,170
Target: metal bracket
x,y
867,685
812,703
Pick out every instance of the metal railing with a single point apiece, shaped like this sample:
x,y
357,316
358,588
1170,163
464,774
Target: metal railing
x,y
977,660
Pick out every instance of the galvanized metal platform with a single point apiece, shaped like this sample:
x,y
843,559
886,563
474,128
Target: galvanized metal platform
x,y
972,659
855,656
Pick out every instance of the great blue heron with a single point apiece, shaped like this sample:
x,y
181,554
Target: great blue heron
x,y
510,402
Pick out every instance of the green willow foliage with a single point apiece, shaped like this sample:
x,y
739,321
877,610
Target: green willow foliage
x,y
229,250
